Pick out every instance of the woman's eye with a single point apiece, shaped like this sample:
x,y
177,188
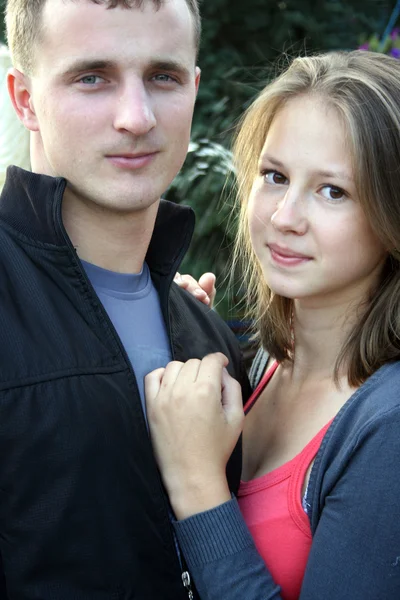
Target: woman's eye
x,y
275,178
330,192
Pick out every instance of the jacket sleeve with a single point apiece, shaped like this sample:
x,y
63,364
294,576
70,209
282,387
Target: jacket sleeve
x,y
356,546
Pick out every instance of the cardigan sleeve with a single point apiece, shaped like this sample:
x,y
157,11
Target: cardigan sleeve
x,y
356,546
222,558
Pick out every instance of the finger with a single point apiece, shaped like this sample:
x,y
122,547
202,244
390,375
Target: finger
x,y
189,371
232,403
152,384
201,295
210,371
178,279
194,287
180,374
207,283
231,391
190,284
217,357
171,374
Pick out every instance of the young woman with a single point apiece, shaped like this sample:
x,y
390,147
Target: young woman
x,y
318,166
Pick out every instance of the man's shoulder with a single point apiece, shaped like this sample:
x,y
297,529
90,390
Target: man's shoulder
x,y
199,330
196,314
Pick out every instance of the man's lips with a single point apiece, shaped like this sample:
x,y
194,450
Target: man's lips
x,y
130,160
131,154
287,256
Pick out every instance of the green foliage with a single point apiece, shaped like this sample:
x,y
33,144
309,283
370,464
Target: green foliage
x,y
206,174
243,43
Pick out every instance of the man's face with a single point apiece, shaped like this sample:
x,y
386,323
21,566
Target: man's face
x,y
113,94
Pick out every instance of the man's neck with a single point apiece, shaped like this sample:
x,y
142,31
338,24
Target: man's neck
x,y
117,241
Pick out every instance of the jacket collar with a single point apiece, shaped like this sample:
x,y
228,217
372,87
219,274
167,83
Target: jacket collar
x,y
31,205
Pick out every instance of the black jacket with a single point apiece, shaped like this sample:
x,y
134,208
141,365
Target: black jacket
x,y
83,514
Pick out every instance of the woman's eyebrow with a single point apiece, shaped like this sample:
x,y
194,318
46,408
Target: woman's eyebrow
x,y
322,173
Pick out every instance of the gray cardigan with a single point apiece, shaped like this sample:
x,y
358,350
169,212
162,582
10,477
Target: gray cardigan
x,y
353,505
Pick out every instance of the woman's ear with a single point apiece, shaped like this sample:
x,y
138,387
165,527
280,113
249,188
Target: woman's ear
x,y
19,85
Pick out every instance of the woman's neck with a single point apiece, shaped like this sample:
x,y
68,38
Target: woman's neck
x,y
320,334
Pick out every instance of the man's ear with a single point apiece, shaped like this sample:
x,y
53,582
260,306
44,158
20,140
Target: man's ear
x,y
197,78
19,90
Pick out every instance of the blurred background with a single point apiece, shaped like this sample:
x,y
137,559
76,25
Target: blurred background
x,y
244,45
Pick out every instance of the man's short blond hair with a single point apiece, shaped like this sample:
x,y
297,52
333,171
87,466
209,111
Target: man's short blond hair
x,y
24,25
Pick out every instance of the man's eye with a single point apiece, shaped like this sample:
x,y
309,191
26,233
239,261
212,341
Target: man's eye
x,y
275,178
91,79
164,78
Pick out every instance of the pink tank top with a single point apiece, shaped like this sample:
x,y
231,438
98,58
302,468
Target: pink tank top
x,y
272,509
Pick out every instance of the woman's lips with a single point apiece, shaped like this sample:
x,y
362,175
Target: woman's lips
x,y
286,256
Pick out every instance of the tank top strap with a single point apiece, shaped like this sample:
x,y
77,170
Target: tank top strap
x,y
263,382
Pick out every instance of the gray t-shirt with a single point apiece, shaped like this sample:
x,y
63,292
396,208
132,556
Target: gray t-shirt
x,y
133,305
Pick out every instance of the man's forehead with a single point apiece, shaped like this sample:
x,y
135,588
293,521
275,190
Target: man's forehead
x,y
82,20
52,8
83,30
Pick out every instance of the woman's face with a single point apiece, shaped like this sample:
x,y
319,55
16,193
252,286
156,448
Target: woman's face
x,y
306,223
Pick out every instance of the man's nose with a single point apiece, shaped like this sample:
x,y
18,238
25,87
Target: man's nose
x,y
134,111
291,212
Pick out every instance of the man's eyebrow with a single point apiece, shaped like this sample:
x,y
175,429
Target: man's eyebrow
x,y
169,65
323,173
87,65
80,66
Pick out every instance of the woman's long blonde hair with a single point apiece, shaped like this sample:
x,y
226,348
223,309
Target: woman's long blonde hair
x,y
364,88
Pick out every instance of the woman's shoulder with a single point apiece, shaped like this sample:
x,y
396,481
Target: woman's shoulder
x,y
378,395
366,426
372,400
375,401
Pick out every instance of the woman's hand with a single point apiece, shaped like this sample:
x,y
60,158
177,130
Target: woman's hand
x,y
195,417
203,289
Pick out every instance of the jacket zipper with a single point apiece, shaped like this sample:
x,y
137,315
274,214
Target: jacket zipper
x,y
187,584
185,576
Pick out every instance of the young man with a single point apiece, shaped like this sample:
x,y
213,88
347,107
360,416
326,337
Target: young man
x,y
87,304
